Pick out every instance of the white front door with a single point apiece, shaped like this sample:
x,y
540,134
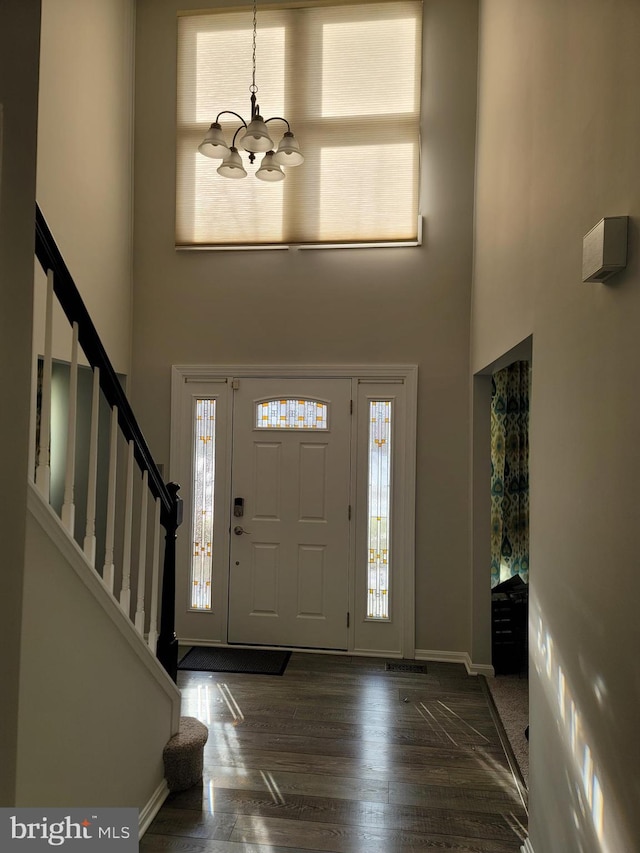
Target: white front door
x,y
301,565
289,550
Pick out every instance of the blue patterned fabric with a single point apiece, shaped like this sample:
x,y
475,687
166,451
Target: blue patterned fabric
x,y
510,473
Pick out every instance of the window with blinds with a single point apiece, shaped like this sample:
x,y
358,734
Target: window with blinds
x,y
347,78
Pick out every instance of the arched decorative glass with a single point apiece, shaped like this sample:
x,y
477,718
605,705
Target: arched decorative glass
x,y
291,414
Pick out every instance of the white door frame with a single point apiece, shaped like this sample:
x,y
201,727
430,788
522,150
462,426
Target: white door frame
x,y
403,525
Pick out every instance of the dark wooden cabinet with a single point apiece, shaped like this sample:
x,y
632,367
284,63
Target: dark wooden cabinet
x,y
509,622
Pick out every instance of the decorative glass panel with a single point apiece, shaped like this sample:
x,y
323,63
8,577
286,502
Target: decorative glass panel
x,y
291,414
379,509
204,465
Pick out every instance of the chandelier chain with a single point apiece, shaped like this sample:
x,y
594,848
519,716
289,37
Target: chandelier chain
x,y
254,88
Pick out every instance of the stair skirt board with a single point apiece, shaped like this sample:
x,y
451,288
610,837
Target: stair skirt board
x,y
151,809
527,847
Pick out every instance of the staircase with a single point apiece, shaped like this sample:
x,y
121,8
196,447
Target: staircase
x,y
167,506
98,701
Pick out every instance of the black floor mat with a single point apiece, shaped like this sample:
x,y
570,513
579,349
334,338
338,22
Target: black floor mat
x,y
253,661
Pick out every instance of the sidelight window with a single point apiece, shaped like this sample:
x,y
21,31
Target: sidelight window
x,y
379,500
204,464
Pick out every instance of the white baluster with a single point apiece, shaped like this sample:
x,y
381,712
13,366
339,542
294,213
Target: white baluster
x,y
125,592
89,545
142,553
108,570
43,469
68,513
33,450
155,581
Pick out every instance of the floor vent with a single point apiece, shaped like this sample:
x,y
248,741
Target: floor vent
x,y
401,666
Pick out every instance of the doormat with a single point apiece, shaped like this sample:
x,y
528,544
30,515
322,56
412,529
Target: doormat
x,y
250,661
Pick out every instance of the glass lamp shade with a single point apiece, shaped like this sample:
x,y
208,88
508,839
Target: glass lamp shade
x,y
231,166
256,138
213,145
288,153
269,170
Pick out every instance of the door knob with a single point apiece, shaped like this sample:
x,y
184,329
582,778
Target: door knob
x,y
238,530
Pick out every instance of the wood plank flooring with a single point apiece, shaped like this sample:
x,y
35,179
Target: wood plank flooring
x,y
339,755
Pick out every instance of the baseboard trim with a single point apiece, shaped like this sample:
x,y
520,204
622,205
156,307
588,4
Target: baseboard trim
x,y
436,655
527,847
479,668
440,656
214,644
455,657
377,653
148,812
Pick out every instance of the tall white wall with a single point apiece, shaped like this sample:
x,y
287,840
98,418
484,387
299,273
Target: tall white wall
x,y
337,306
19,45
84,183
558,149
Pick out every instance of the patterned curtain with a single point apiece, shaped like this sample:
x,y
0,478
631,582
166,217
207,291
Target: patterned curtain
x,y
510,473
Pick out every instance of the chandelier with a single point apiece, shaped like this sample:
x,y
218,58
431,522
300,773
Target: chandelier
x,y
255,139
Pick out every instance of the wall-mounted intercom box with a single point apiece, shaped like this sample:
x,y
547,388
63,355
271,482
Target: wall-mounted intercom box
x,y
604,249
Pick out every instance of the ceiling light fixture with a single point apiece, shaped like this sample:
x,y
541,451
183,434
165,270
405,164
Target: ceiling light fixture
x,y
255,139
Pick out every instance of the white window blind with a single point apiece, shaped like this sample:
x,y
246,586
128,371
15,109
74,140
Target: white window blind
x,y
347,78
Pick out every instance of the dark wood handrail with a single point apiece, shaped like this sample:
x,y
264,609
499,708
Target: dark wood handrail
x,y
64,287
71,302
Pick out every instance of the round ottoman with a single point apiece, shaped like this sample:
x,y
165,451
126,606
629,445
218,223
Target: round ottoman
x,y
183,755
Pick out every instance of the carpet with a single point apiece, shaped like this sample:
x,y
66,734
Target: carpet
x,y
510,694
250,661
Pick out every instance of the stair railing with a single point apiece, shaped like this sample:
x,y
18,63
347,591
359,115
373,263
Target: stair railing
x,y
166,505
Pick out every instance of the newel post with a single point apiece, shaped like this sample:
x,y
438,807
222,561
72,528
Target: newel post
x,y
167,649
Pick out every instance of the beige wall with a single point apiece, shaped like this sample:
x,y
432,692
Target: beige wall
x,y
85,157
350,306
19,45
559,148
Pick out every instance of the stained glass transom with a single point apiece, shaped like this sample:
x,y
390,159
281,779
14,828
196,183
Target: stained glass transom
x,y
291,414
204,465
379,499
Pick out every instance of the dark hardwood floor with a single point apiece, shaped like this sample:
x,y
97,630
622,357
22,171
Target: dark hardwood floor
x,y
341,756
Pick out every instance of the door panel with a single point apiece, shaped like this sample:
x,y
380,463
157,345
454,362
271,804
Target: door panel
x,y
264,574
312,483
266,480
311,581
289,565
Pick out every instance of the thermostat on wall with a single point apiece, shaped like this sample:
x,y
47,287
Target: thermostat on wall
x,y
604,249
